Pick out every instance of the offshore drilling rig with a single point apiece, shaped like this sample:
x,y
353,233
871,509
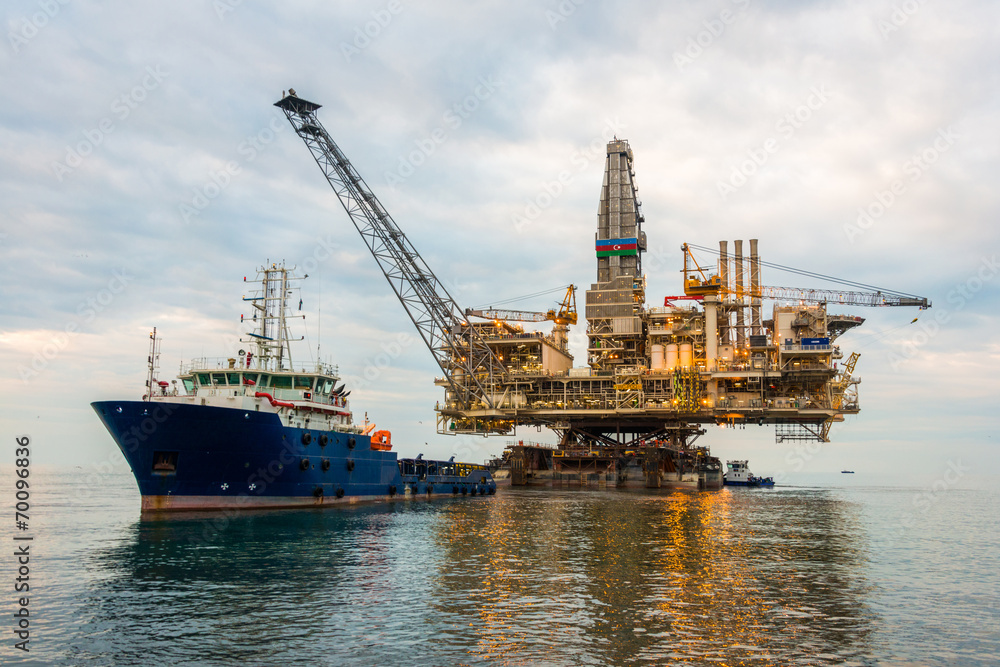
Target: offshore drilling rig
x,y
654,376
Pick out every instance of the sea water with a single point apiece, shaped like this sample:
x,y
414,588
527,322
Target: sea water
x,y
838,570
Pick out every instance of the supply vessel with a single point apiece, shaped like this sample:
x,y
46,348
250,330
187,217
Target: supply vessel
x,y
738,474
252,431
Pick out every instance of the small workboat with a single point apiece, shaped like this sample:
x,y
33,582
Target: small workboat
x,y
738,474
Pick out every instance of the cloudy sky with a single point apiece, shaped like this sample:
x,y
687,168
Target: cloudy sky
x,y
145,172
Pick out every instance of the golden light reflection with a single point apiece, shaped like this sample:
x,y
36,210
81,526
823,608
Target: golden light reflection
x,y
624,576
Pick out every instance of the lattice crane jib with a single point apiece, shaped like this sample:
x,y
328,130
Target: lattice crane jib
x,y
473,371
729,281
566,314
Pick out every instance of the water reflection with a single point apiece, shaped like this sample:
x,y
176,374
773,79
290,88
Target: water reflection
x,y
524,577
270,583
637,578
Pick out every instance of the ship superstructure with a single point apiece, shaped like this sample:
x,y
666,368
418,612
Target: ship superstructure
x,y
265,376
253,430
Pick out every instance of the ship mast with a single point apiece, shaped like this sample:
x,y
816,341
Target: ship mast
x,y
154,362
270,304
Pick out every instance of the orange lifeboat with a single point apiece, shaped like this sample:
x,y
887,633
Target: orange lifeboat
x,y
381,441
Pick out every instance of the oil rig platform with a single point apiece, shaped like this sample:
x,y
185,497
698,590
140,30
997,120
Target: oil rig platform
x,y
654,376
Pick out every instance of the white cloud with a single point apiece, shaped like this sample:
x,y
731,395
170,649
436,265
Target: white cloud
x,y
562,83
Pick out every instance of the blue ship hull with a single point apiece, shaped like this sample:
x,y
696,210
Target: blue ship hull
x,y
754,483
188,456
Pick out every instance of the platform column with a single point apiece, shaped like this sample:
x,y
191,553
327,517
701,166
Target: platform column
x,y
517,476
651,468
711,332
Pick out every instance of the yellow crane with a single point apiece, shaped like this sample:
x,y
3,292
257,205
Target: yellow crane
x,y
709,284
564,316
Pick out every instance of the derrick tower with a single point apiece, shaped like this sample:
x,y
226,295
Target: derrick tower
x,y
614,302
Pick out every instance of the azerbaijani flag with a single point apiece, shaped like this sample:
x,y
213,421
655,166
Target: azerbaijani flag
x,y
609,247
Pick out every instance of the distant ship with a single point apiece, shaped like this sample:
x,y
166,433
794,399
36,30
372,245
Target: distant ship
x,y
251,431
738,474
847,472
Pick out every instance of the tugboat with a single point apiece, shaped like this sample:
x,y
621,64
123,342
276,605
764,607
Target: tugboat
x,y
738,474
252,431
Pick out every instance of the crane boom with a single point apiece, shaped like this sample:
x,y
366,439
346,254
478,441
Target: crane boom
x,y
508,315
565,315
836,296
471,368
720,284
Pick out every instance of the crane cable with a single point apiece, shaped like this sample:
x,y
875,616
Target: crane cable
x,y
819,276
880,336
493,304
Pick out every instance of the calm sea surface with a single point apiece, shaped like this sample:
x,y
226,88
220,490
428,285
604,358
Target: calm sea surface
x,y
840,571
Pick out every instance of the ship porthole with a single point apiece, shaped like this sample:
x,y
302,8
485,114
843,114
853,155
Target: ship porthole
x,y
307,437
304,464
350,465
